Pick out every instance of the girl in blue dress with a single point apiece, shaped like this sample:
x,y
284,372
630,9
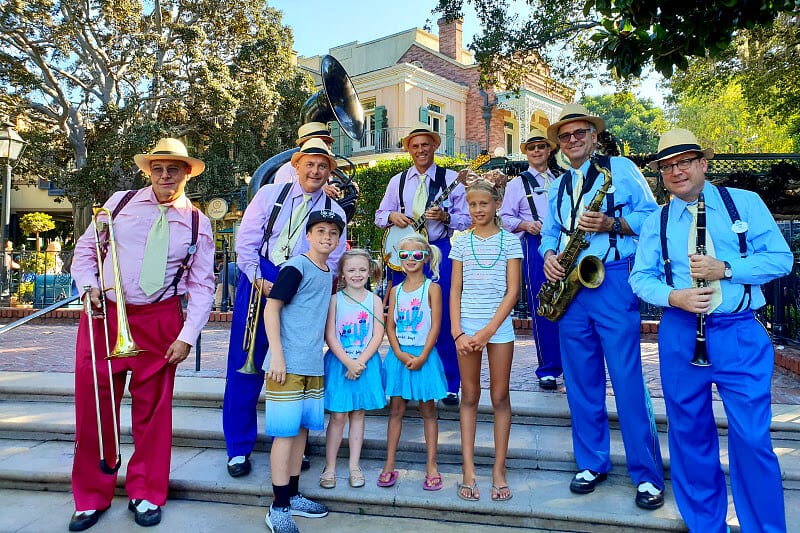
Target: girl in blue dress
x,y
412,369
353,384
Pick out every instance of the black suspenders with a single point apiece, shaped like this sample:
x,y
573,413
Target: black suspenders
x,y
529,194
273,216
733,213
438,183
184,266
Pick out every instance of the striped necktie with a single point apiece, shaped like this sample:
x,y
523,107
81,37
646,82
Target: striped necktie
x,y
290,233
154,262
716,298
420,197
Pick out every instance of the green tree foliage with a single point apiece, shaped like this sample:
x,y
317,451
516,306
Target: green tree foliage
x,y
36,223
625,35
722,120
110,77
635,122
763,63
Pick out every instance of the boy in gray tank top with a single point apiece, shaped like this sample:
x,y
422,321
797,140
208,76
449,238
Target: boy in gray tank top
x,y
294,319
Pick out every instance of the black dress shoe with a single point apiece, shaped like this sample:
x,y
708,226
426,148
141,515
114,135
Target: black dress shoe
x,y
450,399
306,464
548,383
240,469
580,485
147,518
648,501
81,522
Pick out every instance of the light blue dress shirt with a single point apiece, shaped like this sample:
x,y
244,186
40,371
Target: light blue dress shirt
x,y
768,254
632,198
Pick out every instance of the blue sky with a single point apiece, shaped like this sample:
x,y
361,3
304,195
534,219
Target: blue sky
x,y
320,25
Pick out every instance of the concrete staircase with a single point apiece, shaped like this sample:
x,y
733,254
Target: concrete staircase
x,y
37,429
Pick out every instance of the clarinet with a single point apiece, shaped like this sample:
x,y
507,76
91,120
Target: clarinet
x,y
700,353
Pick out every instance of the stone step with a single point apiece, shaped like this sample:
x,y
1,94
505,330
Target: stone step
x,y
23,514
541,499
540,447
529,408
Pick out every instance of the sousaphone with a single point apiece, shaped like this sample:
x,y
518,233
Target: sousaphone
x,y
337,100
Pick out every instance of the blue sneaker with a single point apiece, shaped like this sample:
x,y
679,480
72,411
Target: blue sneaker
x,y
301,506
279,520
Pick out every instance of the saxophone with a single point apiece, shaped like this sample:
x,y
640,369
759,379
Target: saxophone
x,y
555,297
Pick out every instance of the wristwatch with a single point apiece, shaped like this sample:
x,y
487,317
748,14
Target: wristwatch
x,y
728,272
617,227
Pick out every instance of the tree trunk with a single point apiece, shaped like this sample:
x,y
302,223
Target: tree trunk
x,y
81,218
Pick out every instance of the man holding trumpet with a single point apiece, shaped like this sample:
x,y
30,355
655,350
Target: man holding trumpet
x,y
743,249
163,250
271,232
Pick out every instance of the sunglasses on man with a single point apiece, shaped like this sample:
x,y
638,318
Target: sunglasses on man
x,y
579,135
537,146
416,255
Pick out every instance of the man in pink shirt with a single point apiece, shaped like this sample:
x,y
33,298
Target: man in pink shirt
x,y
157,326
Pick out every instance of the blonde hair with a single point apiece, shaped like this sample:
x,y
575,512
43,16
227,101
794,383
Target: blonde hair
x,y
494,191
433,250
375,266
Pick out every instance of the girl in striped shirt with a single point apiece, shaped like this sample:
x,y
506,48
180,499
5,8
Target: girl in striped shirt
x,y
484,290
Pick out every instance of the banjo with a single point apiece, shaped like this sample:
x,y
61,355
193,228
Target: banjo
x,y
395,234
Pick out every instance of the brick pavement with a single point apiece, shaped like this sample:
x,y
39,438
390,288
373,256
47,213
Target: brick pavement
x,y
51,346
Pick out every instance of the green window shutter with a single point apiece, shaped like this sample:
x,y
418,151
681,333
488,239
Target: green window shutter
x,y
450,132
346,144
381,129
423,114
336,133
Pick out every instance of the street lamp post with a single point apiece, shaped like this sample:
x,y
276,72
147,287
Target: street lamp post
x,y
11,146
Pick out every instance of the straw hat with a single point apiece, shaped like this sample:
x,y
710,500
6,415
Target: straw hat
x,y
311,130
169,149
676,142
536,135
422,131
314,146
571,113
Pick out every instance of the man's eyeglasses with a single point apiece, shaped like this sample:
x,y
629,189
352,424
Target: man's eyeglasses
x,y
173,171
683,164
579,135
537,146
416,255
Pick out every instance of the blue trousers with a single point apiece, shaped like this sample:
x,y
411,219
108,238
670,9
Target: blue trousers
x,y
604,324
742,360
545,332
444,344
239,416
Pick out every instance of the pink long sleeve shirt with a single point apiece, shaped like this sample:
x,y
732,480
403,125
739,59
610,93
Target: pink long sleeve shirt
x,y
131,227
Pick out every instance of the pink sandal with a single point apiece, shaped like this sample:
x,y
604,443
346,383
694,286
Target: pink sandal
x,y
388,479
433,482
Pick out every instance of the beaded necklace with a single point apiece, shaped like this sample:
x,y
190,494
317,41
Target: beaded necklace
x,y
496,259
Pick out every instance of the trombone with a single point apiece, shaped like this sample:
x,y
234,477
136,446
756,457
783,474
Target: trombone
x,y
124,347
251,326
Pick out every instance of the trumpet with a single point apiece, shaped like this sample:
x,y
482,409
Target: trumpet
x,y
251,327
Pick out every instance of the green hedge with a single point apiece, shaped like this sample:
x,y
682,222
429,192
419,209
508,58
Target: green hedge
x,y
372,182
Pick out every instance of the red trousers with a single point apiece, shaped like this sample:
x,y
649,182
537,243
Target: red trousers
x,y
154,328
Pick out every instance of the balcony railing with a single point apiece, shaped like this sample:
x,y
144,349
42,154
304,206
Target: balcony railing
x,y
389,140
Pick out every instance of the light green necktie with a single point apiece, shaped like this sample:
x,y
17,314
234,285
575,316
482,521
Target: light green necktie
x,y
716,298
290,233
420,197
154,262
